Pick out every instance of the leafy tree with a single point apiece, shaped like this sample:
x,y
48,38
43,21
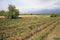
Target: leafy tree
x,y
12,13
2,13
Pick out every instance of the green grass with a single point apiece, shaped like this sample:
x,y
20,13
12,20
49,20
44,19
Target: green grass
x,y
22,27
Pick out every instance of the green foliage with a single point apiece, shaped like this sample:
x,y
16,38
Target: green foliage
x,y
12,13
2,13
54,15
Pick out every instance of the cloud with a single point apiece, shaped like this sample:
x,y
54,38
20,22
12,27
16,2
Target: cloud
x,y
3,5
26,5
45,0
57,3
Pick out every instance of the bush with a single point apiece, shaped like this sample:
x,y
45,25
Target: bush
x,y
54,15
2,12
13,12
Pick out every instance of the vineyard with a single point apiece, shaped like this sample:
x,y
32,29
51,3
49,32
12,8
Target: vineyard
x,y
29,28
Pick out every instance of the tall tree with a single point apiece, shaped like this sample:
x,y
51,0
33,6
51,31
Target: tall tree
x,y
13,12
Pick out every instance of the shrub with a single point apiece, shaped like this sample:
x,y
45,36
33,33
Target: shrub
x,y
54,15
12,13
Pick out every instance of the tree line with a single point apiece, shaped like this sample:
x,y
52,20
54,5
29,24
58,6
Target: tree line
x,y
11,13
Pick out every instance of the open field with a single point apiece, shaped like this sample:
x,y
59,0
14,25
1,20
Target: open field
x,y
2,17
30,16
30,27
34,16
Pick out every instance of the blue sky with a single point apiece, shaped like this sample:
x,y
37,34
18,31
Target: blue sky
x,y
27,5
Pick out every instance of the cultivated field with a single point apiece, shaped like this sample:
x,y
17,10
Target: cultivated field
x,y
30,27
34,15
30,16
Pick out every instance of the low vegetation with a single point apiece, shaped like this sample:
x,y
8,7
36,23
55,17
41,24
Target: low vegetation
x,y
11,13
55,15
30,28
38,27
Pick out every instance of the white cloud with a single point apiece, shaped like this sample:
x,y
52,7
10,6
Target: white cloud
x,y
26,5
3,5
37,4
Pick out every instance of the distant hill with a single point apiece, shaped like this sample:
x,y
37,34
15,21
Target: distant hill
x,y
43,11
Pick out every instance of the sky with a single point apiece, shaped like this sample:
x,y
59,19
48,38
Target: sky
x,y
27,5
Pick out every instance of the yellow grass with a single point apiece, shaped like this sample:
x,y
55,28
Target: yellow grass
x,y
34,16
41,16
2,17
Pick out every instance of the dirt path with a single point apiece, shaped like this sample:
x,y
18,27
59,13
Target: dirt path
x,y
53,34
37,31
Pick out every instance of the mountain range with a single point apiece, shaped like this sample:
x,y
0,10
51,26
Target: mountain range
x,y
43,11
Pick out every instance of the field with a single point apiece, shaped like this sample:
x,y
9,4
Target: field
x,y
30,27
